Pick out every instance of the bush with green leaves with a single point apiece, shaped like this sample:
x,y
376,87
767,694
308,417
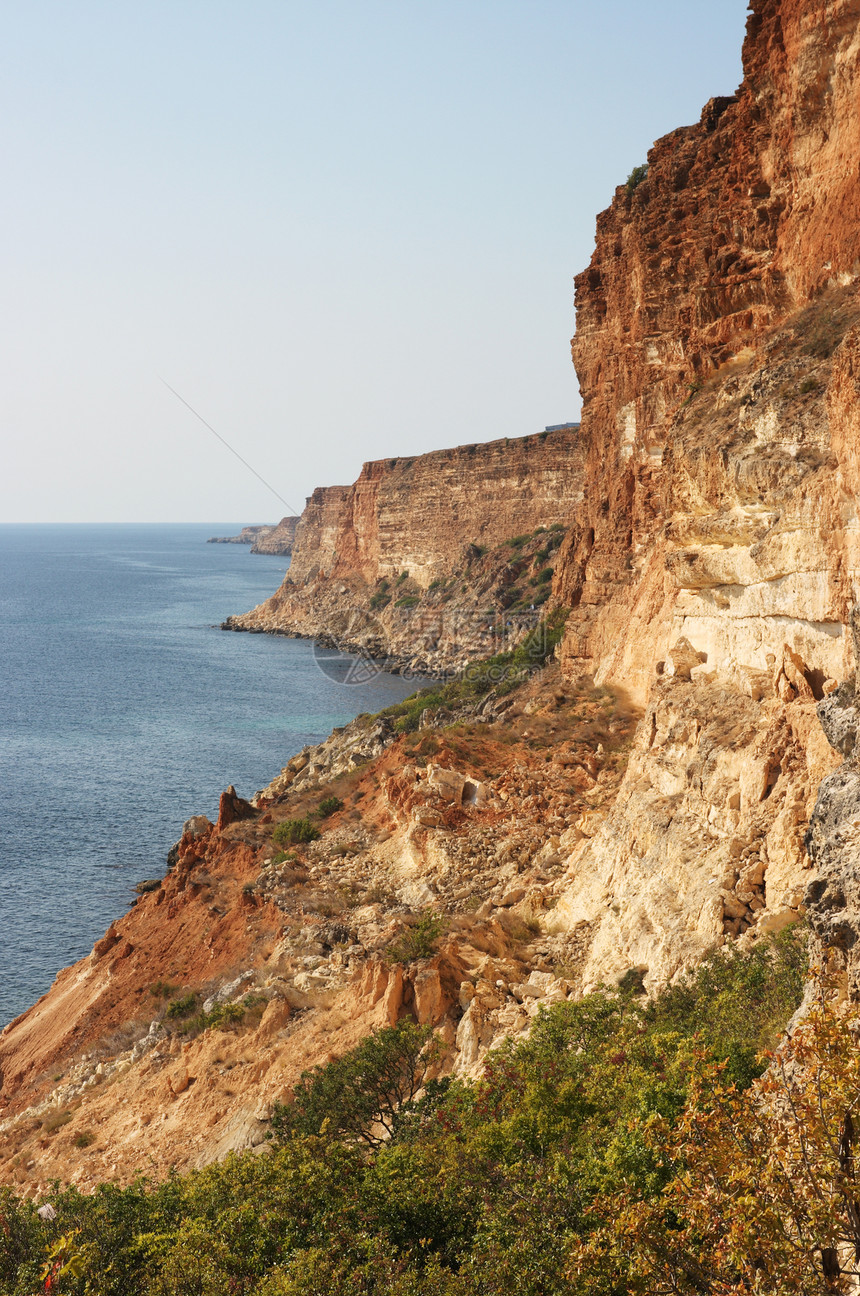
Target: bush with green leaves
x,y
417,941
360,1097
635,178
295,832
182,1007
328,806
502,672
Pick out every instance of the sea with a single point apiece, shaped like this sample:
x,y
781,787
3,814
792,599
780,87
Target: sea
x,y
124,710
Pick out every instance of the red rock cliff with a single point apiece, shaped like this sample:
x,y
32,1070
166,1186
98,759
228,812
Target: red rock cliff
x,y
416,514
412,562
742,220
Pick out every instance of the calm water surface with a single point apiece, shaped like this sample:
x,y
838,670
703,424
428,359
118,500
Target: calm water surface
x,y
123,710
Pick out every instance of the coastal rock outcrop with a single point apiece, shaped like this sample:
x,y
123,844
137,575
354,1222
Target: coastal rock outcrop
x,y
279,539
267,538
249,535
431,561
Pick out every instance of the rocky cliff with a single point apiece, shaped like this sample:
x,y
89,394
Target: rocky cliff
x,y
265,537
413,562
279,539
249,962
719,461
683,774
249,535
714,563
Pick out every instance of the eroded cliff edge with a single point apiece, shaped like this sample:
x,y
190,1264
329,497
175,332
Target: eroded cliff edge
x,y
567,832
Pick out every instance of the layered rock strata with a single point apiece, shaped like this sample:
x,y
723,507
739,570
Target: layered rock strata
x,y
409,563
726,514
714,562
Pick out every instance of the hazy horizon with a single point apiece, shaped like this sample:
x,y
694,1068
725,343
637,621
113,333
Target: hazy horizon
x,y
339,233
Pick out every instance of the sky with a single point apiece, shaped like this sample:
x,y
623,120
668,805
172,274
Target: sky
x,y
340,230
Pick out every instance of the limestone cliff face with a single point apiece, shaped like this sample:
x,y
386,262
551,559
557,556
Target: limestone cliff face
x,y
417,514
423,536
715,561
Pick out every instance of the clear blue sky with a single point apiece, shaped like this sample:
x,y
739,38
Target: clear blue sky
x,y
341,229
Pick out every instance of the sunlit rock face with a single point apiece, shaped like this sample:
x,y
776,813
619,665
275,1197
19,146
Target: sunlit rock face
x,y
714,562
566,834
729,519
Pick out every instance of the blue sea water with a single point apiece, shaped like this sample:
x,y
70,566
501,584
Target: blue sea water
x,y
124,710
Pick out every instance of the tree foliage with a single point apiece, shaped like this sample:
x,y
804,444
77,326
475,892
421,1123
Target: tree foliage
x,y
360,1096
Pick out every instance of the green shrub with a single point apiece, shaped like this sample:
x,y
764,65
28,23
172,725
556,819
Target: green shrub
x,y
162,990
564,1169
544,575
292,832
359,1097
407,714
416,942
329,805
182,1007
408,601
380,600
636,176
222,1016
